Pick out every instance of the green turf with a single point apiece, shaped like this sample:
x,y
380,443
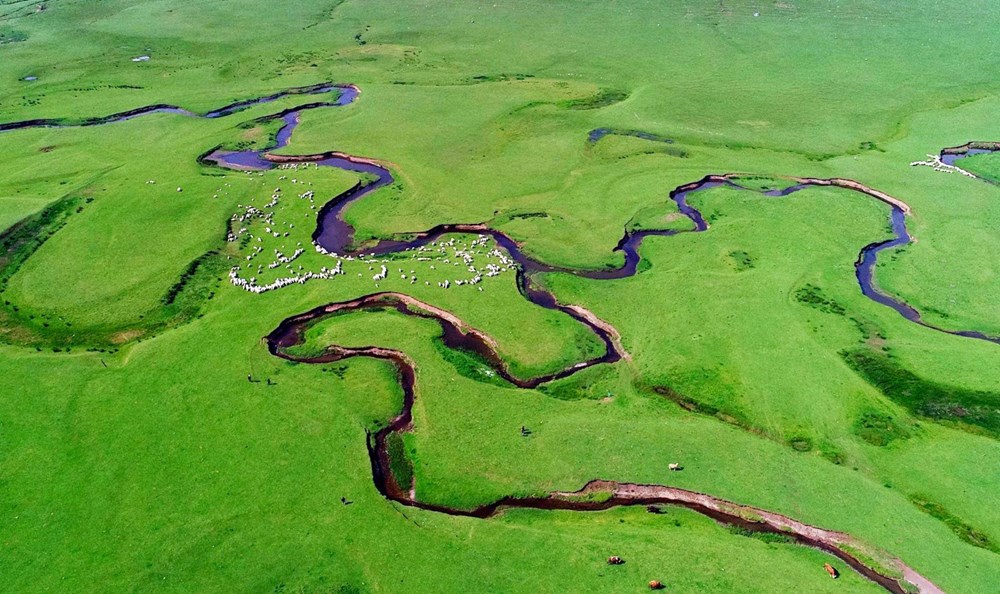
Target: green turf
x,y
135,456
986,166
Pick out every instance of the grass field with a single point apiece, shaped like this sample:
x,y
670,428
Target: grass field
x,y
984,165
135,456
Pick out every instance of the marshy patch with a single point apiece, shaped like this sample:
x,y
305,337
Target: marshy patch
x,y
9,36
740,260
529,215
591,384
869,145
469,364
972,410
602,98
813,296
832,454
801,443
762,183
399,460
879,429
730,417
964,531
501,77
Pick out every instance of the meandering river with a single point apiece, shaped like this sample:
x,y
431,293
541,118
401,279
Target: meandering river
x,y
336,236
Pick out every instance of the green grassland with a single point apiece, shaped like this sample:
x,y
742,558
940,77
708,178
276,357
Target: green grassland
x,y
135,455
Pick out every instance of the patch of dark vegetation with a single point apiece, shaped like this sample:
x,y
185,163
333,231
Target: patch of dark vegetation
x,y
323,588
602,98
186,277
801,443
701,408
870,333
25,237
399,461
502,77
268,136
967,533
820,157
673,152
768,537
930,309
741,261
589,385
813,296
879,429
832,454
662,509
644,265
529,215
106,87
8,35
975,144
666,150
762,183
359,37
505,217
197,284
338,370
870,146
469,364
973,410
328,13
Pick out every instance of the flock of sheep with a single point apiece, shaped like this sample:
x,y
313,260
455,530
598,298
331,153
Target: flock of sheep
x,y
456,261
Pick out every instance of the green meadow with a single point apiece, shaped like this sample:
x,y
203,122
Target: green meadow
x,y
135,455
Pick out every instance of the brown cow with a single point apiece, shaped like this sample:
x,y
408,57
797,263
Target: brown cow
x,y
830,569
615,560
655,585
